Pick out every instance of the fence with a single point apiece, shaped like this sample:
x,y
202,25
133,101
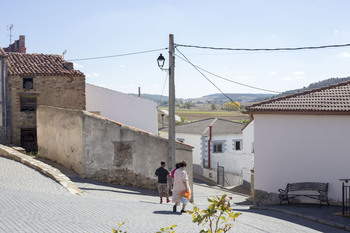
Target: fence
x,y
346,196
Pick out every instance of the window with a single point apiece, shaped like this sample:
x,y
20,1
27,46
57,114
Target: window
x,y
28,83
217,147
238,145
28,103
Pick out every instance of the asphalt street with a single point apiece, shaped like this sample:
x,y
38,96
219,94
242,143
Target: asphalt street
x,y
33,202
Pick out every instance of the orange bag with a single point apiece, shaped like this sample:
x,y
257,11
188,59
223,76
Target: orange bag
x,y
186,194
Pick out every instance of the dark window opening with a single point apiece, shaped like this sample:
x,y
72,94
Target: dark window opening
x,y
28,139
28,83
28,103
238,145
217,147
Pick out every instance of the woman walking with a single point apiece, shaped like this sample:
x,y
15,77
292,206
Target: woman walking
x,y
181,185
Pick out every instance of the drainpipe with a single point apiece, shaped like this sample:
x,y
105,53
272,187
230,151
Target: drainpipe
x,y
209,141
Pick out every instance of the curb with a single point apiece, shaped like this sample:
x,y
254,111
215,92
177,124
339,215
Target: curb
x,y
44,168
308,217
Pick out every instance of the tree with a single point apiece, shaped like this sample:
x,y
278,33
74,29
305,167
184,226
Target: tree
x,y
213,107
232,106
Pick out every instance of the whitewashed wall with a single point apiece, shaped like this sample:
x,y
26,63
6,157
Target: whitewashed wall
x,y
234,161
301,148
192,140
126,109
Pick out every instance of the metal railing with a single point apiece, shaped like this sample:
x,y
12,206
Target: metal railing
x,y
346,196
220,175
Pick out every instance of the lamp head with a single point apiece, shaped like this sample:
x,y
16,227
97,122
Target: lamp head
x,y
161,61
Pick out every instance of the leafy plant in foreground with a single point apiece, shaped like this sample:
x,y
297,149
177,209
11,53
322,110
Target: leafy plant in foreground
x,y
167,229
118,229
219,216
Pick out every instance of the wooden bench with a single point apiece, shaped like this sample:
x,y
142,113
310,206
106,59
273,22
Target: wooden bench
x,y
321,188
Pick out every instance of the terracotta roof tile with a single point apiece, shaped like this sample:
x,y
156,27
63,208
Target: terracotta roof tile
x,y
2,52
334,98
38,64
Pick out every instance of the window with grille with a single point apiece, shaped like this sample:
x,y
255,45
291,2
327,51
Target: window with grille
x,y
217,147
28,103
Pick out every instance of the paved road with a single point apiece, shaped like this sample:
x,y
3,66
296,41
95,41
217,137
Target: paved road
x,y
32,202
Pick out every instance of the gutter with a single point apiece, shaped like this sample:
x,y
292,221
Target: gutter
x,y
209,141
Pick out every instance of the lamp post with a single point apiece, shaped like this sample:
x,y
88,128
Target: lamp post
x,y
171,71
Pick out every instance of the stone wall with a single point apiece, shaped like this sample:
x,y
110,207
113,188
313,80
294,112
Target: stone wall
x,y
58,91
111,152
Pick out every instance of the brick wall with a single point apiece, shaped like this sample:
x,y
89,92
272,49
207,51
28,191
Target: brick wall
x,y
58,91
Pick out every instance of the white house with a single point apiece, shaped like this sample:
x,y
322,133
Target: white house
x,y
126,109
302,137
230,148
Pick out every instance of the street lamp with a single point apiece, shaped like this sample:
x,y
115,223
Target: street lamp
x,y
171,137
161,61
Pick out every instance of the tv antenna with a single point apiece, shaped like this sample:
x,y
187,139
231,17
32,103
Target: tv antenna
x,y
9,28
64,52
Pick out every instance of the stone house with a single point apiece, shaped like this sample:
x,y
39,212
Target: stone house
x,y
39,79
219,142
302,137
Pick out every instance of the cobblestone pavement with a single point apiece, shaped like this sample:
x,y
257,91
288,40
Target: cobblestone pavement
x,y
32,202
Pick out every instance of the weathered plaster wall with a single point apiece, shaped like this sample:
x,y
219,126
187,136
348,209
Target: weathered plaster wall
x,y
59,135
110,151
120,154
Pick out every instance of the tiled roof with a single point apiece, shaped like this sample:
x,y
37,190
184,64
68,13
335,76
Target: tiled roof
x,y
330,99
2,52
38,64
220,126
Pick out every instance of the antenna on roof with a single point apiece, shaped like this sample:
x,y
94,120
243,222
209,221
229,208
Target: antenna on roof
x,y
9,28
64,52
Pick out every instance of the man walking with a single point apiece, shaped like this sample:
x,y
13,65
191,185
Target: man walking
x,y
163,188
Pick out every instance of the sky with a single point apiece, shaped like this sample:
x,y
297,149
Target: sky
x,y
92,29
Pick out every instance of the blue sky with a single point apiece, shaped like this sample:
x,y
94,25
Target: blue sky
x,y
88,29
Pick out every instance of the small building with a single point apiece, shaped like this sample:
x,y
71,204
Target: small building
x,y
39,79
126,109
230,149
302,137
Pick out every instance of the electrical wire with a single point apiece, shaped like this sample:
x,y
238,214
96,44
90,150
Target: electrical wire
x,y
240,107
117,55
166,78
273,49
238,83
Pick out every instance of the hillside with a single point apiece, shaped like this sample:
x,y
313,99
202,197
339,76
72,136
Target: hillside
x,y
243,98
319,84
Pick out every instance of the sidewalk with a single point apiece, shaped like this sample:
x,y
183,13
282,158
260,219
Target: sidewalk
x,y
328,215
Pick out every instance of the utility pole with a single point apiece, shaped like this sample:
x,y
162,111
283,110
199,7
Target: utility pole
x,y
171,138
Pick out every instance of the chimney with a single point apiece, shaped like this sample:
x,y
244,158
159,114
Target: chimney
x,y
19,46
68,65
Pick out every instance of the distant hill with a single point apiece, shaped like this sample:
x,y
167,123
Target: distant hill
x,y
324,83
209,99
242,98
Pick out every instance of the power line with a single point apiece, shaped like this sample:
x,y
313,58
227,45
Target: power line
x,y
268,49
166,78
218,76
117,55
208,79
